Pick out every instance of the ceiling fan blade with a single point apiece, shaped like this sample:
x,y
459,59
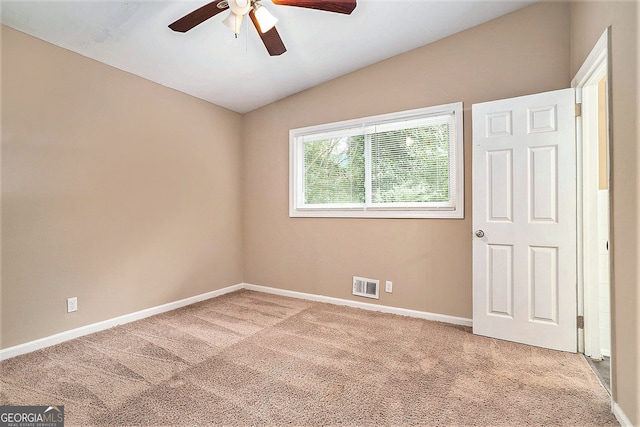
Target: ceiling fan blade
x,y
337,6
271,38
198,16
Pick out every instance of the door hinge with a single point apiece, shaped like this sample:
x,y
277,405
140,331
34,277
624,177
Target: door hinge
x,y
579,109
580,322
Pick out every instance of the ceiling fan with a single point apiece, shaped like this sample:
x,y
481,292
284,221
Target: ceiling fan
x,y
260,16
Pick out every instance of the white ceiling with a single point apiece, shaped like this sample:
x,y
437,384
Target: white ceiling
x,y
209,63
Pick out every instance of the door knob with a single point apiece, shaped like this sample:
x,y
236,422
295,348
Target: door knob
x,y
480,233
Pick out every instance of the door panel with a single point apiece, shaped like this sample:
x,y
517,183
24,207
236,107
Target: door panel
x,y
501,279
544,284
500,176
543,184
524,201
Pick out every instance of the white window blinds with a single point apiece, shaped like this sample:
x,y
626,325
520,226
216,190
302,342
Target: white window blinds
x,y
412,163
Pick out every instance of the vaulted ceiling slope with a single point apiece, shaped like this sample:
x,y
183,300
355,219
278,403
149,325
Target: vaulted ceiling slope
x,y
210,63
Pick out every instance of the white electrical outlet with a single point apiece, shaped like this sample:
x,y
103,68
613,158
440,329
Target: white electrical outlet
x,y
389,286
72,304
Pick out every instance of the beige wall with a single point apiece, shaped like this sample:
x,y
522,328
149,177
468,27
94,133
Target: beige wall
x,y
588,22
429,261
116,190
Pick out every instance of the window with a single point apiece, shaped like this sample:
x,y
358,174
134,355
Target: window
x,y
399,165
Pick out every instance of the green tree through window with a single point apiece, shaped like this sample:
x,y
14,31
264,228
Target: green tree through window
x,y
334,170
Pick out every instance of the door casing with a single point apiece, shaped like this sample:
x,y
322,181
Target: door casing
x,y
597,65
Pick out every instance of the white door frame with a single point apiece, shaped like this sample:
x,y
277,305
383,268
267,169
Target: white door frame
x,y
591,70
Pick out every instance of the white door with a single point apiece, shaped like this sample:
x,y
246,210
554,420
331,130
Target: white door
x,y
524,219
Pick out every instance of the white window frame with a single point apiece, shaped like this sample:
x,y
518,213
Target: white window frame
x,y
452,209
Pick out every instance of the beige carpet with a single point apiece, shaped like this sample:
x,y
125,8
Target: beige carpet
x,y
250,358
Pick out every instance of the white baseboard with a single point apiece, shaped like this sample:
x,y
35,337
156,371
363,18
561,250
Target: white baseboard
x,y
364,305
620,415
38,344
106,324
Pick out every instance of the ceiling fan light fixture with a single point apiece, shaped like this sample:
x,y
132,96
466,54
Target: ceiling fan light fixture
x,y
266,20
240,7
233,22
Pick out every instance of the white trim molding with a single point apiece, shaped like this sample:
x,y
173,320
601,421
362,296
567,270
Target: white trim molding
x,y
41,343
364,305
598,54
49,341
620,415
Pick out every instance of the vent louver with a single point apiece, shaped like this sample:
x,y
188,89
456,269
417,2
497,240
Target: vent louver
x,y
366,287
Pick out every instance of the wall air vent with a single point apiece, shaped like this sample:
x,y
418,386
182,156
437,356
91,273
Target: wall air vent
x,y
366,287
